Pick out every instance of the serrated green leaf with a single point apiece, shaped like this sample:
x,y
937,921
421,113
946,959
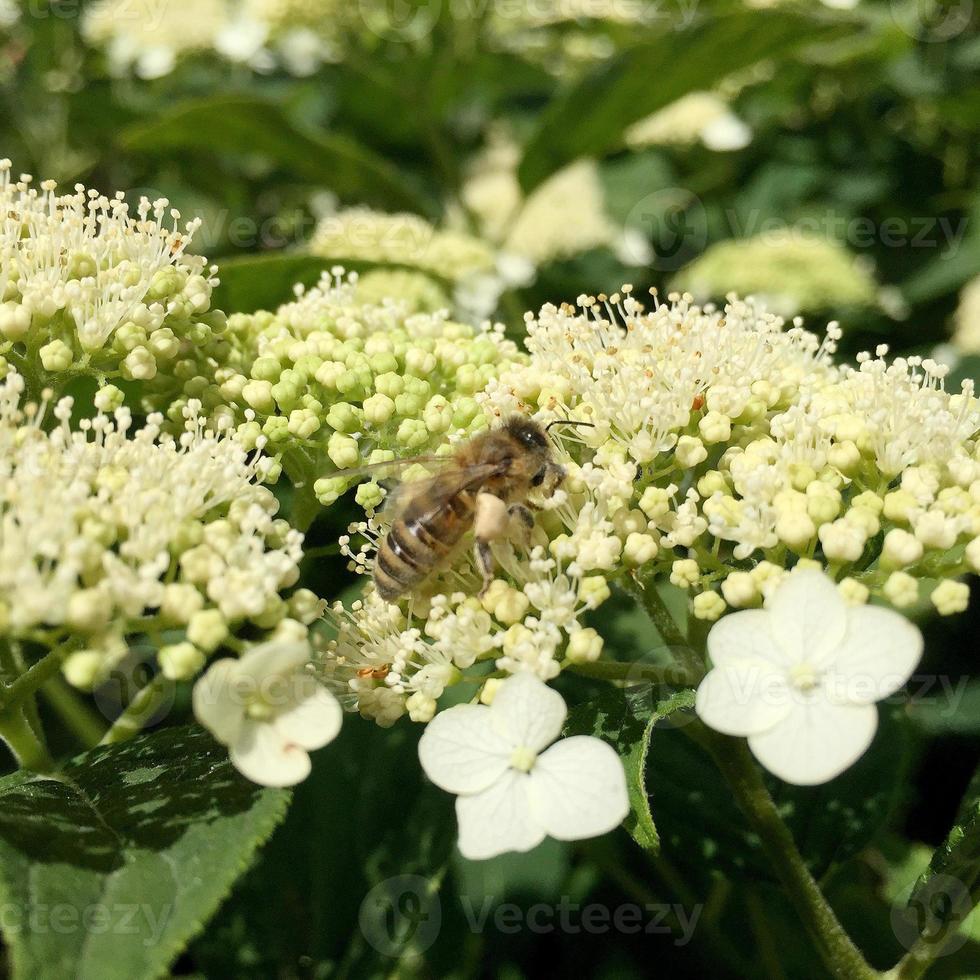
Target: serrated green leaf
x,y
249,125
591,117
626,719
108,870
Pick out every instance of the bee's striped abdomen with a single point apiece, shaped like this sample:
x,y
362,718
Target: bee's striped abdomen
x,y
415,545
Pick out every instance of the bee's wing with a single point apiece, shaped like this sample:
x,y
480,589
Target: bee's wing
x,y
438,490
390,467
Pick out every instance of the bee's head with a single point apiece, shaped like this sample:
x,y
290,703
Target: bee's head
x,y
528,433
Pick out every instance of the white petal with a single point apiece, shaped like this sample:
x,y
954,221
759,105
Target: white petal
x,y
216,705
312,722
261,754
273,659
878,654
497,820
816,741
460,751
743,697
808,617
578,789
527,712
744,635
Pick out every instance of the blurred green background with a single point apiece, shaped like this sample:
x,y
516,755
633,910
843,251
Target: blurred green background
x,y
821,156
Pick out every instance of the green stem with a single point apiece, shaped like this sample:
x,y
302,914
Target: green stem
x,y
14,694
738,767
78,717
23,742
613,670
131,721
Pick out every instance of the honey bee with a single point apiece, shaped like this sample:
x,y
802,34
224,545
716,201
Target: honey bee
x,y
484,484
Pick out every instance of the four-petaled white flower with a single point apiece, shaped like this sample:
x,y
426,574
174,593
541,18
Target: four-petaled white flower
x,y
800,678
269,711
511,792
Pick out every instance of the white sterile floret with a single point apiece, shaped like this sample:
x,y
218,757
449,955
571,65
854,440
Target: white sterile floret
x,y
800,677
269,710
512,789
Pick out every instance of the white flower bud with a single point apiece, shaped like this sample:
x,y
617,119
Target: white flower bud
x,y
854,592
685,573
708,606
207,629
950,597
690,452
715,427
83,668
56,356
739,590
901,589
640,548
584,646
935,530
842,540
900,549
180,661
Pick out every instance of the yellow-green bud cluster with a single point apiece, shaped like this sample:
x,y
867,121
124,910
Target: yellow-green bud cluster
x,y
342,383
790,270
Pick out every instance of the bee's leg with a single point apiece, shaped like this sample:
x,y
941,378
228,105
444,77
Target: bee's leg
x,y
489,523
484,562
523,513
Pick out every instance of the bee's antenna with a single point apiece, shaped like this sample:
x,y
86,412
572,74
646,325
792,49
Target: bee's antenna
x,y
587,425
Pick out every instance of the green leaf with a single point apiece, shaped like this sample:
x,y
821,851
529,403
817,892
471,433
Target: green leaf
x,y
590,118
626,719
246,125
108,870
364,817
945,895
263,282
703,829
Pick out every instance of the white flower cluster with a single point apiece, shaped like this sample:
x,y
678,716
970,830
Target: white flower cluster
x,y
966,334
726,448
149,39
564,217
110,532
789,270
89,288
386,661
471,268
696,117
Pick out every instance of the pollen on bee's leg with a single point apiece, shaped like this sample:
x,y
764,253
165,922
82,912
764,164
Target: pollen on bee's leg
x,y
491,517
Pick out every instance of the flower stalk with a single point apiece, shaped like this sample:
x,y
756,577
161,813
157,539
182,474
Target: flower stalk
x,y
839,953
